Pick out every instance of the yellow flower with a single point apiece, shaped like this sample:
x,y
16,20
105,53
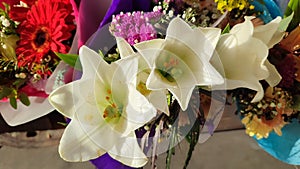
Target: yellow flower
x,y
260,127
229,5
255,127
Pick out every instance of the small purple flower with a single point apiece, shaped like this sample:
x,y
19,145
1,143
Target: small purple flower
x,y
135,27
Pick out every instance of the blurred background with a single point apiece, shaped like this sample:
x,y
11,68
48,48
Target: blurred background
x,y
228,148
225,150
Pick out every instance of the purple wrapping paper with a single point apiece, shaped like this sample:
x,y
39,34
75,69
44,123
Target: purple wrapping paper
x,y
106,162
90,15
118,6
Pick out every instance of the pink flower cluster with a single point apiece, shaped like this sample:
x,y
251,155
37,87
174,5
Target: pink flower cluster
x,y
136,26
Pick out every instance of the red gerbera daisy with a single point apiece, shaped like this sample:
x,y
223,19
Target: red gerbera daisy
x,y
46,28
19,10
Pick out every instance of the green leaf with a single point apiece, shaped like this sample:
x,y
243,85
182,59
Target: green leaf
x,y
5,92
171,150
192,137
293,6
19,82
24,99
63,124
70,59
169,98
13,102
226,29
296,101
175,109
101,53
283,25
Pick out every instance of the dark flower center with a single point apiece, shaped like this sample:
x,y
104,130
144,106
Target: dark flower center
x,y
40,38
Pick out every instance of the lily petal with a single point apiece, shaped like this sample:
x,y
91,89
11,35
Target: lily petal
x,y
243,31
201,41
89,64
141,111
146,49
124,48
64,99
75,145
131,154
159,101
274,77
213,36
269,33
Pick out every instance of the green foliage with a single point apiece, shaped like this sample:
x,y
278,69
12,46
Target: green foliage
x,y
70,59
24,99
11,29
293,7
63,124
284,24
226,29
5,92
192,137
296,101
12,95
13,102
172,120
19,82
171,150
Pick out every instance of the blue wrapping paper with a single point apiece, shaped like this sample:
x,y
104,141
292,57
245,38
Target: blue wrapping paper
x,y
285,148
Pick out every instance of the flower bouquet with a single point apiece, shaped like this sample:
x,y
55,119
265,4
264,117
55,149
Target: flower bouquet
x,y
157,72
32,33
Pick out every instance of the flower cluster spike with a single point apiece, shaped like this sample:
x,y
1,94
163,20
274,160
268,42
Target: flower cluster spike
x,y
135,27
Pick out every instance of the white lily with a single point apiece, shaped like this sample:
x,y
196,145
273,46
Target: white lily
x,y
105,109
271,34
181,60
157,97
244,59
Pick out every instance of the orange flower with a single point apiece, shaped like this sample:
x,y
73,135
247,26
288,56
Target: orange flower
x,y
275,104
262,127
